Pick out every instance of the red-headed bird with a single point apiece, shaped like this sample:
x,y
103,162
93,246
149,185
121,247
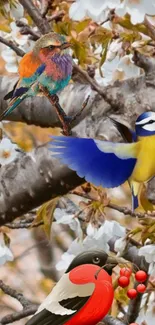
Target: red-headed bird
x,y
48,64
84,294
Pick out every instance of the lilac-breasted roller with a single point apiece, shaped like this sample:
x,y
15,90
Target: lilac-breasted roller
x,y
111,164
48,64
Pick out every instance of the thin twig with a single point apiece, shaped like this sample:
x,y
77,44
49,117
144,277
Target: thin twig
x,y
57,16
26,29
36,16
64,119
46,4
12,46
18,315
124,210
15,294
22,225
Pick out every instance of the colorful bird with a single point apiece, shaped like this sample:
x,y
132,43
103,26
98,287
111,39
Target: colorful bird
x,y
84,294
48,64
110,164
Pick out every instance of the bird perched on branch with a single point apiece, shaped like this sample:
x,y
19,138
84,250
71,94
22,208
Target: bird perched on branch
x,y
110,164
84,294
48,65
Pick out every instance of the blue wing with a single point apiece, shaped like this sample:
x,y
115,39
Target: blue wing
x,y
99,162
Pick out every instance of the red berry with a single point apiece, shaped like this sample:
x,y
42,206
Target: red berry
x,y
125,271
123,281
132,293
141,288
141,276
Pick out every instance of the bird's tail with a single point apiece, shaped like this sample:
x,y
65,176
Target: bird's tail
x,y
13,104
135,191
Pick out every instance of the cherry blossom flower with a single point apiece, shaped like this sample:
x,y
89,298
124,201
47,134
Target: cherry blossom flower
x,y
16,12
117,69
147,316
96,238
148,251
11,59
8,55
137,9
8,151
120,245
5,254
68,219
95,9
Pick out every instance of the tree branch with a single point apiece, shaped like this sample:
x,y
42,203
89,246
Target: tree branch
x,y
26,29
18,315
36,16
15,294
12,46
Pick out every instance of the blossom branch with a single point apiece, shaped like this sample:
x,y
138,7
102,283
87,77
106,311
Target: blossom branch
x,y
36,16
26,29
13,293
12,46
18,315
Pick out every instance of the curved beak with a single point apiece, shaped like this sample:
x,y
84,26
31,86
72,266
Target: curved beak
x,y
113,261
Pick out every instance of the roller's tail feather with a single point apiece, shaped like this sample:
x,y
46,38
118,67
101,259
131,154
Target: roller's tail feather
x,y
9,109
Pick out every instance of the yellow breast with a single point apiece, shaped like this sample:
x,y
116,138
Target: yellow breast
x,y
145,166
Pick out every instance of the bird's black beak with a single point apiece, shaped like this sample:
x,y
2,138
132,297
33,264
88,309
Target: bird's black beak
x,y
111,262
65,45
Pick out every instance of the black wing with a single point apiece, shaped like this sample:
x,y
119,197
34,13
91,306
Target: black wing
x,y
125,132
45,317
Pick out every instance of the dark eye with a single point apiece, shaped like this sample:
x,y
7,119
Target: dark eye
x,y
51,47
96,260
151,121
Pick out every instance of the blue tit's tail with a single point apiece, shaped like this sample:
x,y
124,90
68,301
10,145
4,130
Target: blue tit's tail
x,y
135,191
12,106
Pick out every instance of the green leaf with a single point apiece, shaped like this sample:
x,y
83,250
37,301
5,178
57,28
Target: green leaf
x,y
103,58
45,214
6,239
80,26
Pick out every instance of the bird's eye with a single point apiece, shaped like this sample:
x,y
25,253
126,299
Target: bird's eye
x,y
96,260
51,47
151,121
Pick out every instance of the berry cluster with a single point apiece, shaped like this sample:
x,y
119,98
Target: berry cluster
x,y
124,281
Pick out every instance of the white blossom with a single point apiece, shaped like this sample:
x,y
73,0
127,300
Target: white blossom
x,y
68,219
16,12
8,151
148,251
147,316
120,245
96,238
5,254
91,230
8,55
137,9
114,49
95,9
117,69
65,261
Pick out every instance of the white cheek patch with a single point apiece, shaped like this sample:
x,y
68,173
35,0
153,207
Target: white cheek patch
x,y
149,127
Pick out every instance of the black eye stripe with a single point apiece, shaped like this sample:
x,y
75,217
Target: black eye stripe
x,y
150,122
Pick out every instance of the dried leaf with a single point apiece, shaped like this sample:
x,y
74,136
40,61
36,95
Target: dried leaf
x,y
45,214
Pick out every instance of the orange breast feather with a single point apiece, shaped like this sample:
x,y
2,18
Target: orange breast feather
x,y
28,65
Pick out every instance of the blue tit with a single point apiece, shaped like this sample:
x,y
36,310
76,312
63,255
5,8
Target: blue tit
x,y
110,164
